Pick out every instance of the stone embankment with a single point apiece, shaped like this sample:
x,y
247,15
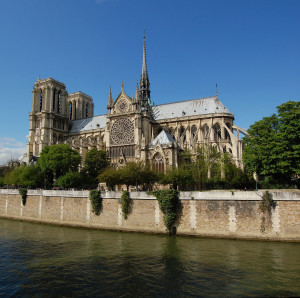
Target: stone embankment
x,y
224,214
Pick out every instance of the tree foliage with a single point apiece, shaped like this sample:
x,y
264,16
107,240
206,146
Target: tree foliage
x,y
273,145
57,160
133,173
70,180
27,176
96,161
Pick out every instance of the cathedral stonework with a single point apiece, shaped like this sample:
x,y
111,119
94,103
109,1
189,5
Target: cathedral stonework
x,y
132,129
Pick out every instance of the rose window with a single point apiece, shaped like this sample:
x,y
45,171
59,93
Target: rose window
x,y
122,132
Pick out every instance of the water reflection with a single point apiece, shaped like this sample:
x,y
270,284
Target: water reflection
x,y
40,260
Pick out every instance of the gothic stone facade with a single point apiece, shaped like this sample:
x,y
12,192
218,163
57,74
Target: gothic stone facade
x,y
132,129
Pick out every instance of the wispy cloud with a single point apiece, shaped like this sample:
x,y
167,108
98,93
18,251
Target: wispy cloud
x,y
10,148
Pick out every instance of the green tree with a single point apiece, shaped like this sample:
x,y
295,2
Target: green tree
x,y
57,160
13,177
96,161
30,176
131,174
273,145
110,176
26,176
69,180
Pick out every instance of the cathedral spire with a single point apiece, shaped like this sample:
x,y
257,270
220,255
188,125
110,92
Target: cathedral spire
x,y
144,81
144,68
110,99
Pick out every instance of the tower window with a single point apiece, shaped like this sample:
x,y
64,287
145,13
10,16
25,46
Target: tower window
x,y
82,111
53,99
87,111
71,110
41,100
58,103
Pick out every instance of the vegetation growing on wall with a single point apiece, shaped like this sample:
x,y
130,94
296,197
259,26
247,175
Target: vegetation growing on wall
x,y
266,206
125,203
168,200
96,201
23,193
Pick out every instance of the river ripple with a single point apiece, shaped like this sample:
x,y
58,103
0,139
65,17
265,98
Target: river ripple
x,y
48,261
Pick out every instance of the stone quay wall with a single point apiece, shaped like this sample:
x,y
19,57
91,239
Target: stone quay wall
x,y
217,214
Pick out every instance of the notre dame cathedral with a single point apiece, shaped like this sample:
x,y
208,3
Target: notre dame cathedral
x,y
132,128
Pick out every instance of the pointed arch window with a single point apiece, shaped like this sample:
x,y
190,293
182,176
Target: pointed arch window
x,y
86,111
217,132
206,132
53,99
158,163
58,102
71,110
41,100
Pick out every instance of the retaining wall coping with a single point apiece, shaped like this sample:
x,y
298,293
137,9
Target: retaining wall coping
x,y
213,195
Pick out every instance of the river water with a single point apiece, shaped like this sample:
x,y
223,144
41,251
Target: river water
x,y
47,261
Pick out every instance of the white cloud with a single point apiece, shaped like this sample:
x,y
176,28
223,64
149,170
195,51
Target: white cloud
x,y
10,148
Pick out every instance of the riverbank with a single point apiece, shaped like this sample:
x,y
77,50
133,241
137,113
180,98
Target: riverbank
x,y
216,214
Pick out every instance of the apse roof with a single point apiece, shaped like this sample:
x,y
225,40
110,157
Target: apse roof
x,y
193,107
92,123
164,138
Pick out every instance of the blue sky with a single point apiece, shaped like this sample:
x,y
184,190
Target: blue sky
x,y
250,48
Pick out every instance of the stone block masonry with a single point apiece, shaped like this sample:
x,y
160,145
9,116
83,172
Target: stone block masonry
x,y
218,214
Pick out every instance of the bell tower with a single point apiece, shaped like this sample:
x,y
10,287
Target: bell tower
x,y
49,116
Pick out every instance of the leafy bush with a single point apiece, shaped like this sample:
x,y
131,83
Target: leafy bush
x,y
96,201
23,193
168,200
125,203
69,180
266,205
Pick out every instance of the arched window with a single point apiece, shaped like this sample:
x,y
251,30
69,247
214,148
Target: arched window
x,y
58,103
54,123
41,100
182,133
217,132
172,131
158,163
194,132
53,99
205,132
227,136
86,110
71,110
54,138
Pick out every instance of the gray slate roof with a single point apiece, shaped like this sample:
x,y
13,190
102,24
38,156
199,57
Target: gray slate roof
x,y
95,122
193,107
164,138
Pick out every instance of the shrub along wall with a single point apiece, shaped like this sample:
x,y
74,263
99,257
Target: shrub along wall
x,y
223,214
